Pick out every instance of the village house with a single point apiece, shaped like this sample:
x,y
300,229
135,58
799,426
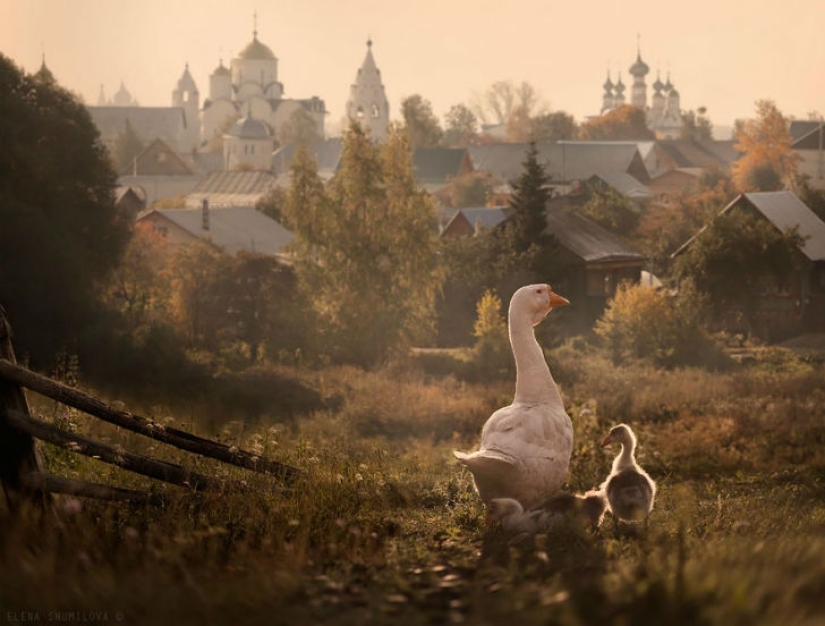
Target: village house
x,y
797,305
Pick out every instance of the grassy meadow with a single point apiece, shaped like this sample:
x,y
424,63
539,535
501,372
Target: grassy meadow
x,y
385,527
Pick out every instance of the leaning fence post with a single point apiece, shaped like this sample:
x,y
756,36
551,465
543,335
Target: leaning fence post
x,y
18,451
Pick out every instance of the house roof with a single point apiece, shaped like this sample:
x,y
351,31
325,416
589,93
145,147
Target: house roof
x,y
587,240
231,188
483,217
157,159
563,161
626,185
812,139
703,154
785,211
327,155
233,229
437,165
148,122
801,128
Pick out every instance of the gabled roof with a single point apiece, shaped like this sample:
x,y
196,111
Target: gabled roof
x,y
479,217
813,139
626,185
232,229
148,122
437,165
785,211
232,188
801,128
587,240
563,161
157,159
703,154
327,155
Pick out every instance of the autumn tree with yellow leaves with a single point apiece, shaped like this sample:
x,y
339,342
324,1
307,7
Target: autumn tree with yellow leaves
x,y
768,161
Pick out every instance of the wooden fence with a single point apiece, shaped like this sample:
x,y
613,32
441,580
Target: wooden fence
x,y
21,467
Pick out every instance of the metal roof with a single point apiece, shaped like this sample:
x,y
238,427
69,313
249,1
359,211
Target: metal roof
x,y
231,188
233,229
437,164
785,211
562,161
587,240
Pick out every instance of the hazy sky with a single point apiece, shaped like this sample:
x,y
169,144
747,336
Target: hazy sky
x,y
721,54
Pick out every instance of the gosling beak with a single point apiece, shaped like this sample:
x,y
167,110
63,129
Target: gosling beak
x,y
607,441
557,300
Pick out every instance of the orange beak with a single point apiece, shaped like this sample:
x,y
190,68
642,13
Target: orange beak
x,y
557,300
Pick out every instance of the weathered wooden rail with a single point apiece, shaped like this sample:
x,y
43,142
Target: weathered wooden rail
x,y
21,467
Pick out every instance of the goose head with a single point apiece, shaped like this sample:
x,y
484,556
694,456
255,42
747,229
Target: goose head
x,y
536,301
620,434
499,509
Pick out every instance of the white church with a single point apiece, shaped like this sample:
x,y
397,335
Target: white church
x,y
663,113
244,111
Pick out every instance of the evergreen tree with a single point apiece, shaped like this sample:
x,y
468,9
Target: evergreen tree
x,y
527,251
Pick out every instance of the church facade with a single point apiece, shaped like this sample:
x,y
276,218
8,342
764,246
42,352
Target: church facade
x,y
249,88
663,111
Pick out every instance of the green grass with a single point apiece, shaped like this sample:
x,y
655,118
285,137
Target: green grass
x,y
386,529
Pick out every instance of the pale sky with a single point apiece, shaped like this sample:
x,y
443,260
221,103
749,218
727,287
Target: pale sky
x,y
721,54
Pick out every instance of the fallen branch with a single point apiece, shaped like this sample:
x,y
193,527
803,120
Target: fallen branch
x,y
153,468
68,486
141,425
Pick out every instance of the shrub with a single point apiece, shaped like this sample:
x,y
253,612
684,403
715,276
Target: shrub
x,y
492,355
643,323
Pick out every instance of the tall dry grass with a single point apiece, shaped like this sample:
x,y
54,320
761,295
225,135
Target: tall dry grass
x,y
385,527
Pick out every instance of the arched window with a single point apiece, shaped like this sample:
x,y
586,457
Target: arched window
x,y
375,112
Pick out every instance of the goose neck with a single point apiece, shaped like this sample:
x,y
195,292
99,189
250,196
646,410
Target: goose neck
x,y
534,383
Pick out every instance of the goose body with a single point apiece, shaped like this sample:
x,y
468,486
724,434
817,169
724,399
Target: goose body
x,y
525,447
629,490
587,509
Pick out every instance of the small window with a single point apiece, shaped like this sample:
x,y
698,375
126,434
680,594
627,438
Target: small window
x,y
375,112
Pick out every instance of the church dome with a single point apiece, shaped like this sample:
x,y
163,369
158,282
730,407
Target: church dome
x,y
608,84
249,128
639,68
256,51
658,86
221,70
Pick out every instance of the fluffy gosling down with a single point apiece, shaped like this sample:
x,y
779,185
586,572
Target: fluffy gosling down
x,y
629,490
587,509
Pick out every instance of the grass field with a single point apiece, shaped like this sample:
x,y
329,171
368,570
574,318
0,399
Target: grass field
x,y
386,529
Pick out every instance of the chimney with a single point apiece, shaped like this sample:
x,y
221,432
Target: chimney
x,y
205,215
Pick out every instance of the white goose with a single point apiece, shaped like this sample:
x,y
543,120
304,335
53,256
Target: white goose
x,y
629,489
525,447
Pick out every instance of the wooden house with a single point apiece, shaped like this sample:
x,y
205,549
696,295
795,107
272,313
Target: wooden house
x,y
797,305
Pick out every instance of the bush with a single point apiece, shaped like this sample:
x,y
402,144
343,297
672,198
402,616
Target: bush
x,y
492,356
643,323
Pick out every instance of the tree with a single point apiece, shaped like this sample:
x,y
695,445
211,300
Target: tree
x,y
612,210
627,123
461,126
422,125
696,125
299,129
733,258
813,198
128,145
767,153
527,251
504,98
272,203
555,126
365,247
61,232
471,190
